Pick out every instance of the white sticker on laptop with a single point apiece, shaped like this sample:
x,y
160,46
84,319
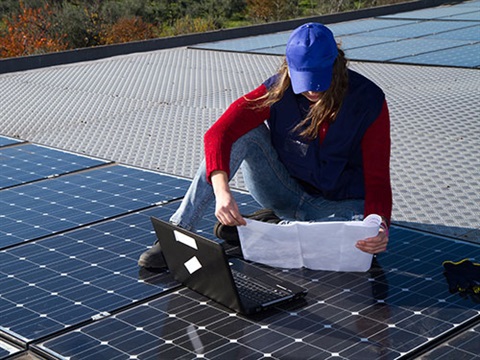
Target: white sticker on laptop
x,y
193,265
185,239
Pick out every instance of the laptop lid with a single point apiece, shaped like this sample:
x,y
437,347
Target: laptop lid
x,y
202,265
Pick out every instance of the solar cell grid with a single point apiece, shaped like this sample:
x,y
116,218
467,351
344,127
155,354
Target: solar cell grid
x,y
401,304
469,33
366,26
420,29
46,207
403,49
467,55
463,346
25,163
67,279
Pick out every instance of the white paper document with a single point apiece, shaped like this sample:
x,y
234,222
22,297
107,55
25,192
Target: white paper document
x,y
314,245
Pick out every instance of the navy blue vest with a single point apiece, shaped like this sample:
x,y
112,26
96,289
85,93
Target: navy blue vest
x,y
334,167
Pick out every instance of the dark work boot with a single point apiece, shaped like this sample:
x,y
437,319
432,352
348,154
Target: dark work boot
x,y
230,233
153,258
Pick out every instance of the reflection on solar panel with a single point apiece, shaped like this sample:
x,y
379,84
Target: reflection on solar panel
x,y
26,163
71,278
46,207
392,38
401,304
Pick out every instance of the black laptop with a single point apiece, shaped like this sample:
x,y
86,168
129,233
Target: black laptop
x,y
202,265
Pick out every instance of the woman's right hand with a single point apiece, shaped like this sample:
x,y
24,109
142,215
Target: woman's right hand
x,y
226,208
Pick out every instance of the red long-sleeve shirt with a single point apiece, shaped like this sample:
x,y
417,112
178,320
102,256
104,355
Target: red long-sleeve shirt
x,y
243,116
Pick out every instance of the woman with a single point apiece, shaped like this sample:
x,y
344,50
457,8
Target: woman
x,y
323,153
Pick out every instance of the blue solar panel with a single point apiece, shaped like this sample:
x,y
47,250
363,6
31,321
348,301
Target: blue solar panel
x,y
4,141
46,207
398,307
355,41
430,13
273,50
64,280
419,29
464,346
471,33
400,49
25,163
366,26
470,16
467,55
250,44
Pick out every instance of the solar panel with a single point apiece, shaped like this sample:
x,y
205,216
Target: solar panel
x,y
35,210
430,13
366,26
64,280
354,41
251,43
398,307
26,163
469,16
468,33
463,346
466,55
401,49
4,141
419,29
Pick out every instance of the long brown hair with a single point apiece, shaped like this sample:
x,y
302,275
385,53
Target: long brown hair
x,y
326,108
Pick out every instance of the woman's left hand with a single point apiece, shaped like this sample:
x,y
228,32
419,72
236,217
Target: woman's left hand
x,y
374,245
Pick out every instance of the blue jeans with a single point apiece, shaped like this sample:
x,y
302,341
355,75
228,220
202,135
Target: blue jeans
x,y
269,183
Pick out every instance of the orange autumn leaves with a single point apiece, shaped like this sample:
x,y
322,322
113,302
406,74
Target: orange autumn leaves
x,y
35,31
31,32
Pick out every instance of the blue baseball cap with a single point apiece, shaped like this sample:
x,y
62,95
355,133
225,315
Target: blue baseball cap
x,y
311,52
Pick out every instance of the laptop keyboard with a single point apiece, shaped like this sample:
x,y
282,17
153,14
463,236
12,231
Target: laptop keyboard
x,y
260,293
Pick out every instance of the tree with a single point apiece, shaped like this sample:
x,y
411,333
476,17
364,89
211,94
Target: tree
x,y
272,10
31,32
127,29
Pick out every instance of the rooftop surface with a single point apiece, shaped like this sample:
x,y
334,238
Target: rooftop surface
x,y
91,150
